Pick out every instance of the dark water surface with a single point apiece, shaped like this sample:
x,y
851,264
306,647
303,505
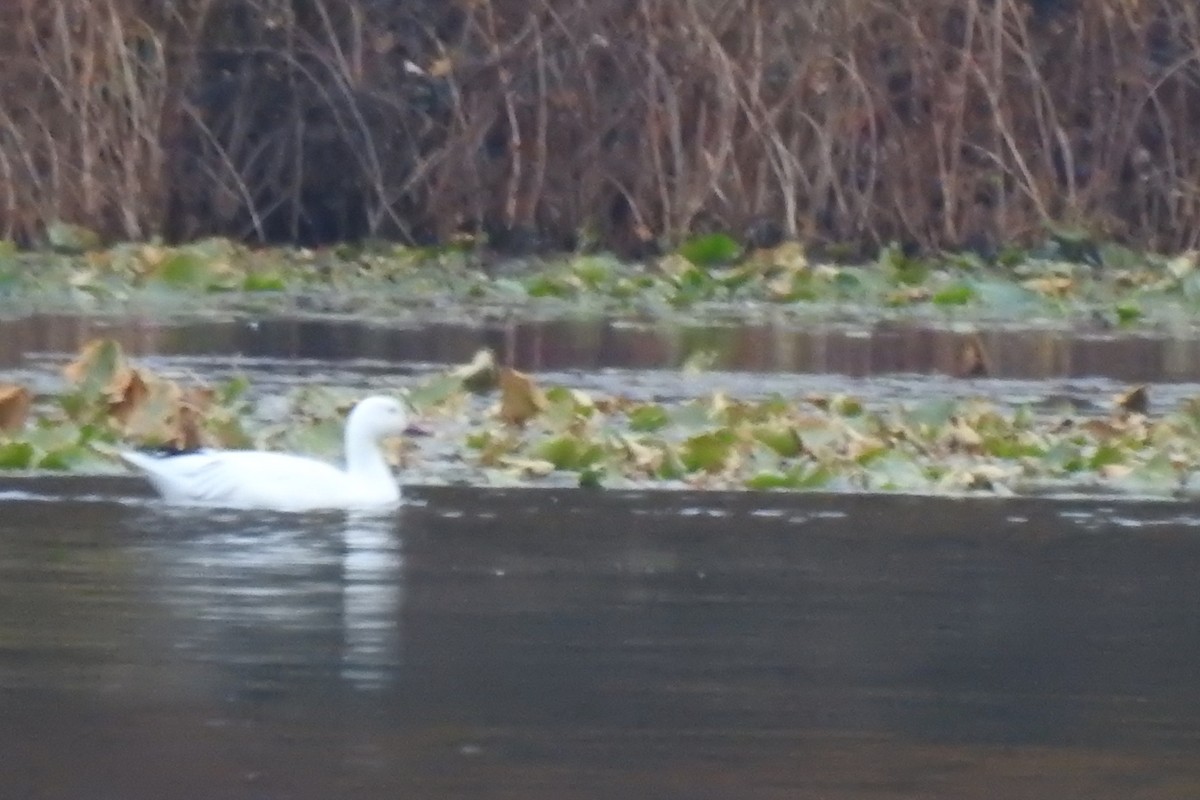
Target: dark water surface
x,y
1025,351
534,644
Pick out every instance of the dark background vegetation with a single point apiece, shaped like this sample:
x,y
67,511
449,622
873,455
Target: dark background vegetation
x,y
619,123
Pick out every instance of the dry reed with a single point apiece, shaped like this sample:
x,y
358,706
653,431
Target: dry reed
x,y
619,123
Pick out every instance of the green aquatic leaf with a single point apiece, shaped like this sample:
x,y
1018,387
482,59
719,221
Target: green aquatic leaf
x,y
1006,296
845,405
1012,255
693,414
596,271
1106,455
184,269
901,268
94,369
671,468
623,289
781,438
707,452
1117,256
797,478
569,452
567,405
1128,313
1156,476
49,435
1011,448
710,250
735,279
65,237
846,281
775,405
648,418
699,361
60,460
1073,245
796,287
233,390
435,391
225,429
263,282
934,413
1063,456
321,438
824,438
16,455
896,471
478,440
505,287
965,261
10,268
957,294
592,477
767,481
548,286
693,285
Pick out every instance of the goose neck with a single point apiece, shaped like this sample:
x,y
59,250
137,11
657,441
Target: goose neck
x,y
364,458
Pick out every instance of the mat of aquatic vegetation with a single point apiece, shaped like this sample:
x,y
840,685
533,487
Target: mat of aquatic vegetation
x,y
1069,279
491,425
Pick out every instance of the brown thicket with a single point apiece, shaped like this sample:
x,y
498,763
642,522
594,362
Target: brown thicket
x,y
942,123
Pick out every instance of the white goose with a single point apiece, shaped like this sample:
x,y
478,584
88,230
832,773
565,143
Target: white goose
x,y
282,482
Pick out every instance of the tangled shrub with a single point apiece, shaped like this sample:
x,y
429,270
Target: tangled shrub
x,y
622,123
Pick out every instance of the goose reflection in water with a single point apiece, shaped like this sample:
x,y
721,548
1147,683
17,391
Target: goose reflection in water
x,y
372,565
280,602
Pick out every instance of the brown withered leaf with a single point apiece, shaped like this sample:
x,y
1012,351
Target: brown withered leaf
x,y
1059,286
171,415
99,360
528,467
821,401
155,420
194,404
958,435
199,398
612,404
399,451
14,406
520,398
1101,428
1134,401
909,295
1184,264
441,67
1115,471
648,460
478,375
973,360
126,392
989,476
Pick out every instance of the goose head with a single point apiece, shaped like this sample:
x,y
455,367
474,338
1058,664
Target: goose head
x,y
377,418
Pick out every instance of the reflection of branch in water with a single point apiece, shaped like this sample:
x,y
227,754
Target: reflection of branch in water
x,y
372,592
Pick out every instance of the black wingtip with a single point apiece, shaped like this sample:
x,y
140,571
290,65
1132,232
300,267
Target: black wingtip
x,y
167,450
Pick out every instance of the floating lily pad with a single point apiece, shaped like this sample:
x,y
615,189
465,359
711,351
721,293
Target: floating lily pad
x,y
957,294
648,418
707,452
69,238
570,452
710,250
16,455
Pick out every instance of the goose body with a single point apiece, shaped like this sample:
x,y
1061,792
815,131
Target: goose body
x,y
283,482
